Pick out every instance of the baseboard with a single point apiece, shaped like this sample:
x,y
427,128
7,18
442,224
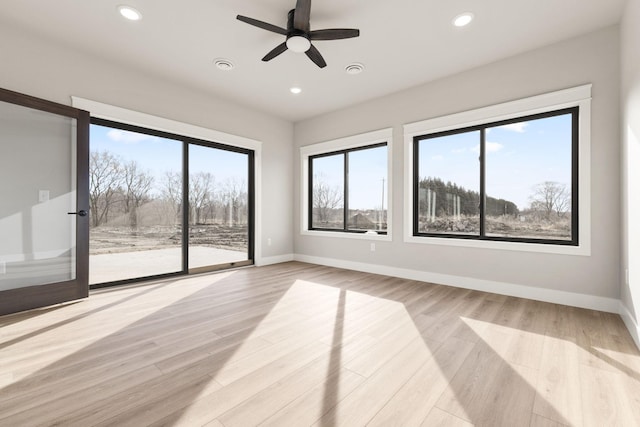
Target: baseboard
x,y
609,305
630,323
274,260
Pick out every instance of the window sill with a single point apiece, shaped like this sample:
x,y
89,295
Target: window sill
x,y
581,250
345,235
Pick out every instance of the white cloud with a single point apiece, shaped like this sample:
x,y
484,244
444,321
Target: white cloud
x,y
459,150
490,147
516,127
437,158
127,137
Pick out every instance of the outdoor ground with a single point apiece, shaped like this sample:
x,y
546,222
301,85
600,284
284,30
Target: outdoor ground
x,y
110,267
119,253
502,226
116,239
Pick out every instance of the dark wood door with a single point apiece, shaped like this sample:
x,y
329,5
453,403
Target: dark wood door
x,y
44,188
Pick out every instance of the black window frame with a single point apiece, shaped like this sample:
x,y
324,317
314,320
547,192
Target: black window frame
x,y
575,141
345,194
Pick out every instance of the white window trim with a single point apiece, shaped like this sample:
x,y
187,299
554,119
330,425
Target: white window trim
x,y
578,96
136,118
355,141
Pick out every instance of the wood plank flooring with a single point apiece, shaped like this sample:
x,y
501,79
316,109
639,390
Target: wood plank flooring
x,y
303,345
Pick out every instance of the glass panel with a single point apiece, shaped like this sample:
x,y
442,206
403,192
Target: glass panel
x,y
38,241
449,184
367,189
218,206
135,200
528,179
328,192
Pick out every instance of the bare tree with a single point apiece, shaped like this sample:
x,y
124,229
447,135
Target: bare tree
x,y
325,198
234,198
200,194
105,178
551,197
563,203
137,184
172,192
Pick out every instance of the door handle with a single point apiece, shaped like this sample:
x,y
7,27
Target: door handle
x,y
79,213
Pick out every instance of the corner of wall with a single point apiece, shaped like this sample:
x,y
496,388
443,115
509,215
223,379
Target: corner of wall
x,y
630,323
630,177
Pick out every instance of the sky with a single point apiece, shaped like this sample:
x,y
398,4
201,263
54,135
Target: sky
x,y
158,155
367,169
518,157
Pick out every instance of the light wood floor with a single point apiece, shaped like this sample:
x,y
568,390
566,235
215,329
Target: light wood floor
x,y
303,345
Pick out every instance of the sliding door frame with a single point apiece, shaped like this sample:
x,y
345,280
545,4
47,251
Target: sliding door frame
x,y
186,143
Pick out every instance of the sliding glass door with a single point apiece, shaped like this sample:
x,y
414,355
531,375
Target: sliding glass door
x,y
218,208
140,197
135,194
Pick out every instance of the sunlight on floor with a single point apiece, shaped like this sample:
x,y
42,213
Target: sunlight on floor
x,y
337,336
511,356
620,361
87,322
6,379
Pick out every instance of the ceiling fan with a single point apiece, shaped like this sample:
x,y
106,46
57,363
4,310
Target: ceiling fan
x,y
299,34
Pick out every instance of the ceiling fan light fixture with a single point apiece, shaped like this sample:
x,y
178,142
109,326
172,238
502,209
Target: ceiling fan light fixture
x,y
463,19
129,13
298,44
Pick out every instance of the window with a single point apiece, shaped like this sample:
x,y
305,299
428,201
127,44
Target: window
x,y
511,176
344,194
510,180
346,186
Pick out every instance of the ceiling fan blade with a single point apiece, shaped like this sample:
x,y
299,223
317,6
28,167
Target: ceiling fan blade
x,y
275,52
315,56
263,25
302,15
334,34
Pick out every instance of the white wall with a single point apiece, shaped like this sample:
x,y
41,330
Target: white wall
x,y
630,54
47,70
593,58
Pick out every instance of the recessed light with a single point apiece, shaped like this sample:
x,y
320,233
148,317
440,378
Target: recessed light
x,y
129,13
223,64
295,90
355,68
463,19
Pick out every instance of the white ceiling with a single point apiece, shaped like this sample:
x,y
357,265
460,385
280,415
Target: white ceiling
x,y
403,43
